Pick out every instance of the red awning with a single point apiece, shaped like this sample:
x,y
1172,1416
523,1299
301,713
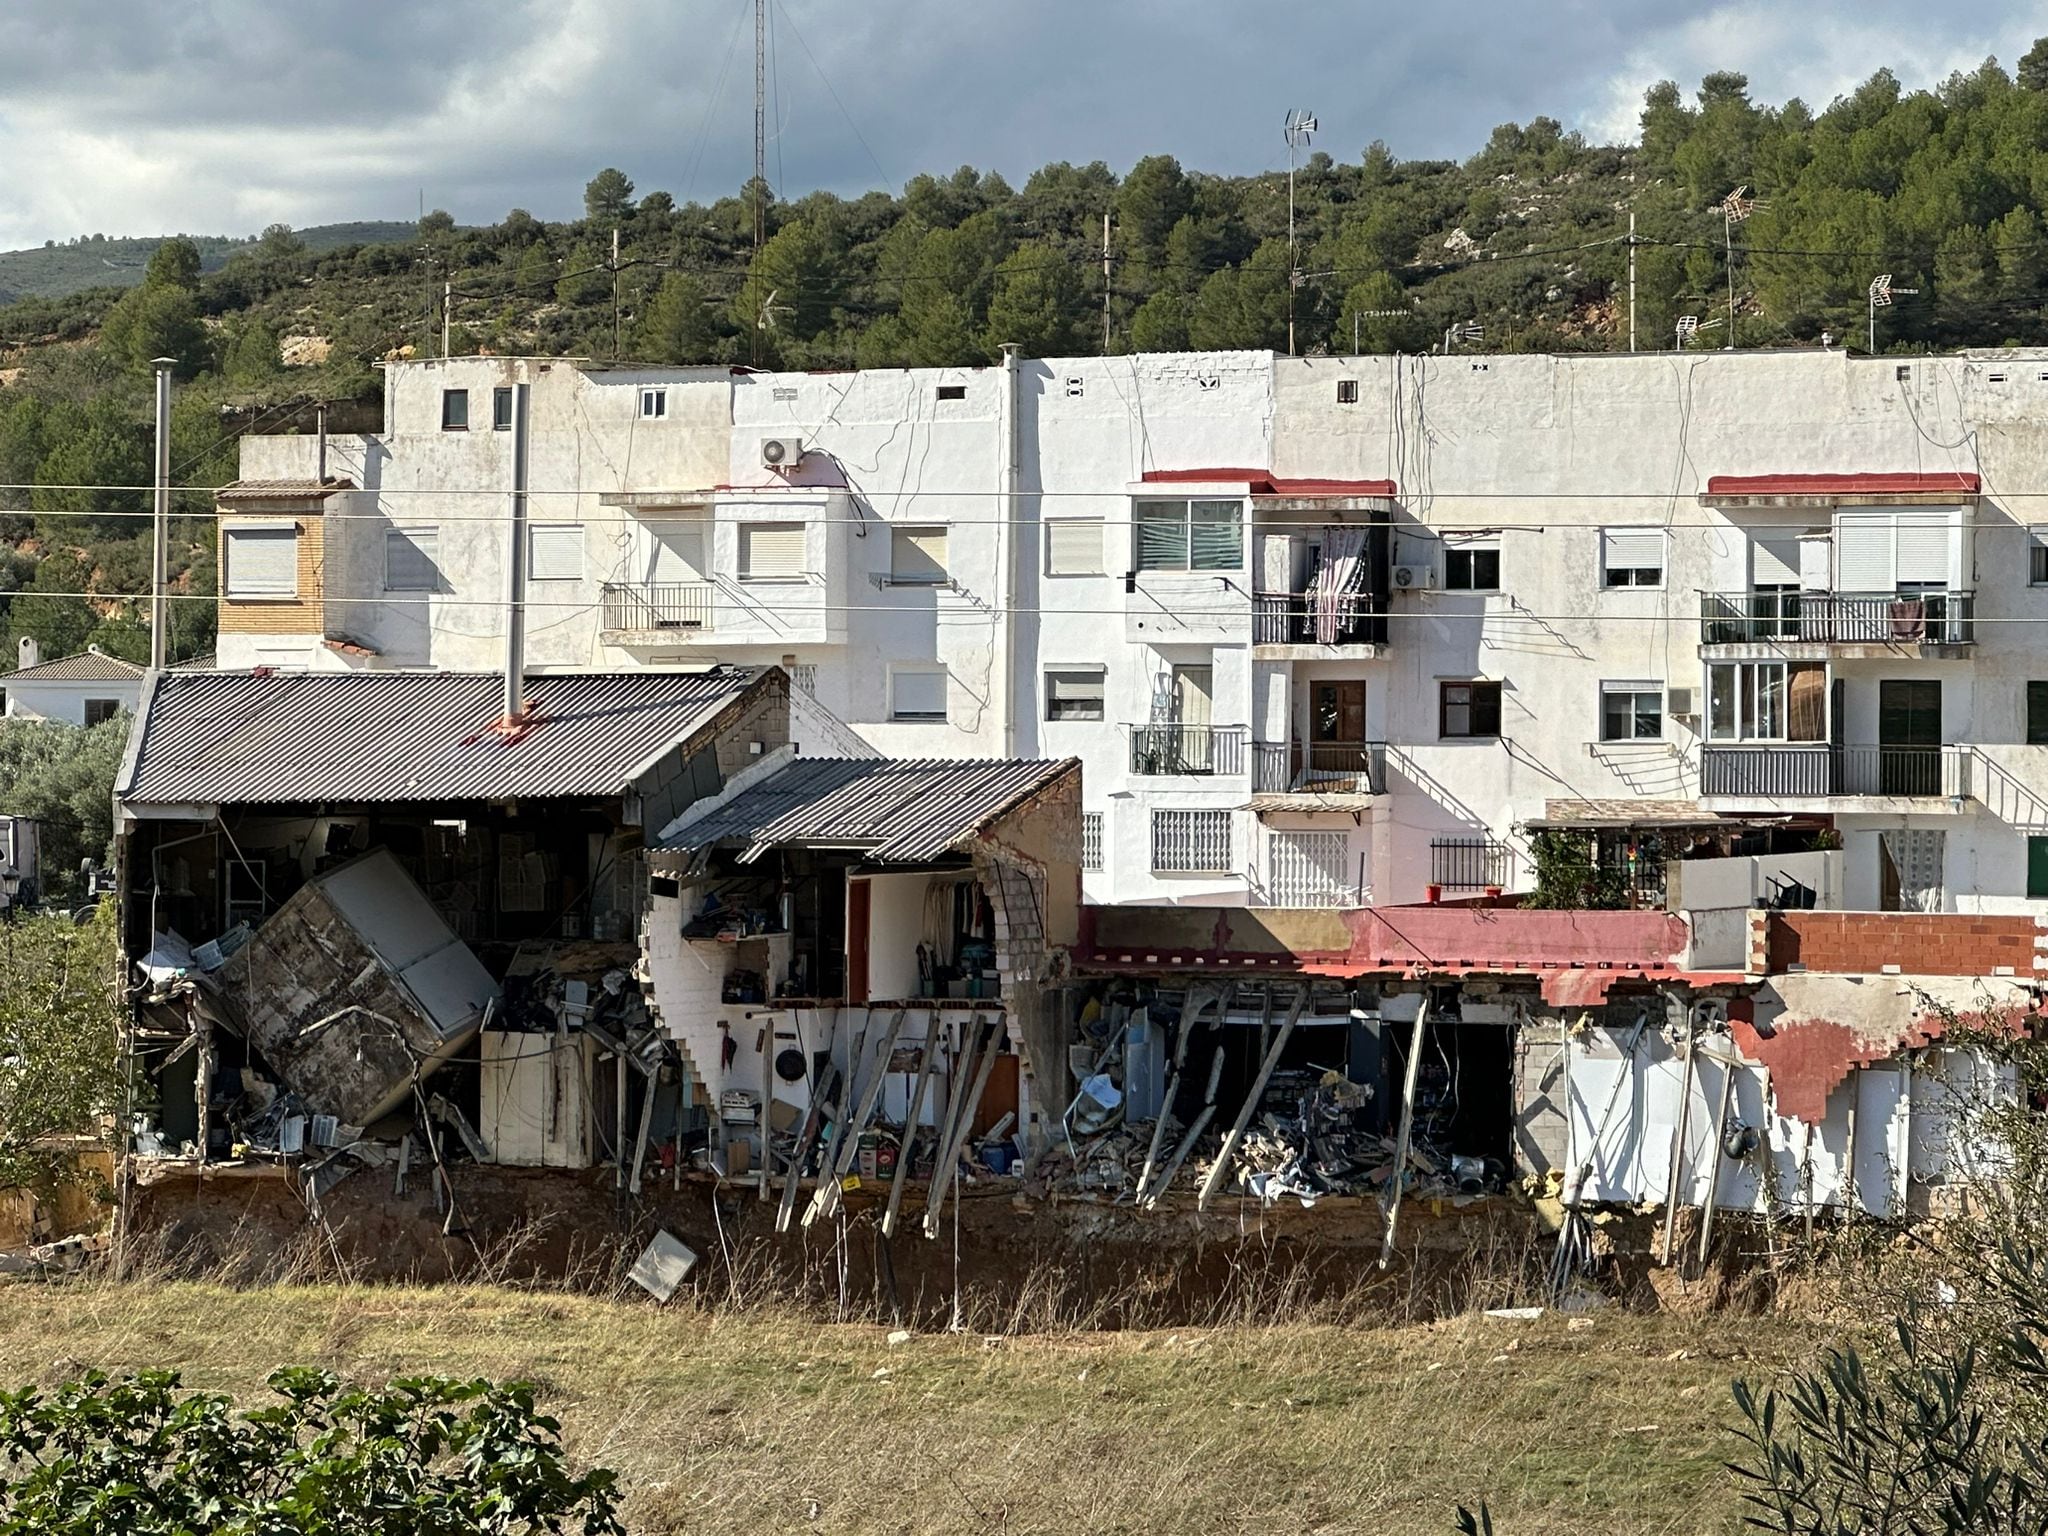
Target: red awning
x,y
1945,483
1262,482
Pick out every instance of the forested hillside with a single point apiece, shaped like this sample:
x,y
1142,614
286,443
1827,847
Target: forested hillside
x,y
1944,187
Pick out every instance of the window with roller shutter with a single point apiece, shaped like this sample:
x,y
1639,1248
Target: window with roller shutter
x,y
1073,546
262,560
771,551
917,693
410,560
554,552
1632,557
917,556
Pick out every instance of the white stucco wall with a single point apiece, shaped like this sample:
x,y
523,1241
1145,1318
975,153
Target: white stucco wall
x,y
65,702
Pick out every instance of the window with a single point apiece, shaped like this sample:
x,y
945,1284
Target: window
x,y
1074,693
554,552
2037,556
952,391
410,556
653,404
1632,557
917,556
1347,391
3,701
771,551
1191,842
97,710
1073,546
2037,714
1631,711
917,693
1091,840
1189,535
1468,709
262,560
501,408
1766,701
454,410
2037,868
1471,565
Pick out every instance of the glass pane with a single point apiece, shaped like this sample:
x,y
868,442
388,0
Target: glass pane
x,y
1216,529
1614,716
1162,535
1722,721
1485,569
1649,716
1770,717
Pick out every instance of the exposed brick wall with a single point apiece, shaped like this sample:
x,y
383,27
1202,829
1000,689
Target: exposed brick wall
x,y
1918,943
305,614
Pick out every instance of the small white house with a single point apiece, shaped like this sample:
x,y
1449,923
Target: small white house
x,y
78,690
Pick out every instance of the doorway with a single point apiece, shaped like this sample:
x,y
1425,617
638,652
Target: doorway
x,y
1336,735
1194,691
1909,737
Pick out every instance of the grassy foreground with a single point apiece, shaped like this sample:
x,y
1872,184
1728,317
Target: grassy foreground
x,y
754,1422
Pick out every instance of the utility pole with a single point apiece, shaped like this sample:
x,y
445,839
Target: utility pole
x,y
615,293
1631,279
447,308
1105,283
515,556
160,557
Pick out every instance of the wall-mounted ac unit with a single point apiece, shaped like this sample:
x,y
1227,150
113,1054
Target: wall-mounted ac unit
x,y
1414,578
781,453
1678,703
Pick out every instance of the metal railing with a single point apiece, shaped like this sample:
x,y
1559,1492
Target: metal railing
x,y
649,605
1469,863
1290,618
1796,770
1171,750
1324,767
1924,617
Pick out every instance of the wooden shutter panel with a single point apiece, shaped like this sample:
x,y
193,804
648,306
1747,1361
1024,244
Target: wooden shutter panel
x,y
1073,547
772,550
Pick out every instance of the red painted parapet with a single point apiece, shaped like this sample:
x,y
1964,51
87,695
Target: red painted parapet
x,y
1579,955
1917,943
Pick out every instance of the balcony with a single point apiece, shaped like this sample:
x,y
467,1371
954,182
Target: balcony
x,y
1821,624
1823,773
665,608
1301,626
1195,751
1319,768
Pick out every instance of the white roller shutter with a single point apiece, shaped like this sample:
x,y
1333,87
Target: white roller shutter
x,y
1774,560
1864,552
1073,547
771,551
555,552
1632,549
263,560
411,560
1923,547
917,555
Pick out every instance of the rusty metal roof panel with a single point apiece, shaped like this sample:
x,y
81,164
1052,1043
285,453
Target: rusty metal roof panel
x,y
895,811
367,737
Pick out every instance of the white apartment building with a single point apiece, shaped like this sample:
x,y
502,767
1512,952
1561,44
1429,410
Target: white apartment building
x,y
1325,632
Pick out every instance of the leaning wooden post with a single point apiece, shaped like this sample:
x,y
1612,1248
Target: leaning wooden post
x,y
1251,1102
917,1092
942,1176
1673,1186
1399,1177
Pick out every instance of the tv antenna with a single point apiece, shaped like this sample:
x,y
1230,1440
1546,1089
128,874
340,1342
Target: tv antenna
x,y
1300,129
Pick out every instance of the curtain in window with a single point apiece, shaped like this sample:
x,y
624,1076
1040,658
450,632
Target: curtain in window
x,y
1339,577
1807,706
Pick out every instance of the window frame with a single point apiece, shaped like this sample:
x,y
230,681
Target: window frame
x,y
412,534
901,536
454,404
1632,574
2037,713
655,395
1752,701
1099,675
2037,555
109,707
1186,565
501,408
743,552
1463,569
1484,697
574,533
1637,690
275,528
942,715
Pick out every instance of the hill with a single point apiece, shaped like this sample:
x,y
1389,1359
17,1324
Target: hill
x,y
55,270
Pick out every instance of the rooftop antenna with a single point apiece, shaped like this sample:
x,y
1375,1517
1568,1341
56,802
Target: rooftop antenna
x,y
1470,330
1301,127
1735,207
760,183
1687,328
1881,295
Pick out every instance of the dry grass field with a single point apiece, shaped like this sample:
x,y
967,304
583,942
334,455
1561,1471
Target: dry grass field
x,y
760,1420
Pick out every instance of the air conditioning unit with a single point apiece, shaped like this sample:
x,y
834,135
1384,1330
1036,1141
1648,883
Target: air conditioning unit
x,y
1678,703
1414,578
781,453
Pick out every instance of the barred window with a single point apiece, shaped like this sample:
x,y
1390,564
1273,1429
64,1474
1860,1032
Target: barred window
x,y
1091,840
1191,842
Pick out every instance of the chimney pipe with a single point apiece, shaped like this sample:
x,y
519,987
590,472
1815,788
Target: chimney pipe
x,y
515,556
29,653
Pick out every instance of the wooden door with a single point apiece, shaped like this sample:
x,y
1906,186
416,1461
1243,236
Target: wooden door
x,y
859,917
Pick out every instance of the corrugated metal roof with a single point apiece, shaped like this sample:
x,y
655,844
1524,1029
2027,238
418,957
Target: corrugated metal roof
x,y
242,738
85,667
281,490
894,810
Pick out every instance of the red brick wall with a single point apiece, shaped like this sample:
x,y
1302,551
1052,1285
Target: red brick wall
x,y
1918,943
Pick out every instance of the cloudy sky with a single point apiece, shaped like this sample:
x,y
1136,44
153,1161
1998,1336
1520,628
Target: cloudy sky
x,y
220,116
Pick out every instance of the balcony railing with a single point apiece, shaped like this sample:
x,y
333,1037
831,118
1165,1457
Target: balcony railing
x,y
1937,617
1172,749
1796,771
1319,767
657,605
1295,618
1469,863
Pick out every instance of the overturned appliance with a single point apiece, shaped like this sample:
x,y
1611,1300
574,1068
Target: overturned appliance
x,y
356,989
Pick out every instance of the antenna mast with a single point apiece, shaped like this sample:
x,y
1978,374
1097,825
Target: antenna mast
x,y
760,119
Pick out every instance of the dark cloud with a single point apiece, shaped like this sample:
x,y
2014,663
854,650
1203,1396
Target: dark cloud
x,y
226,114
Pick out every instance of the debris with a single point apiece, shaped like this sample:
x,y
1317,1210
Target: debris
x,y
662,1266
900,1336
1515,1314
1577,1324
